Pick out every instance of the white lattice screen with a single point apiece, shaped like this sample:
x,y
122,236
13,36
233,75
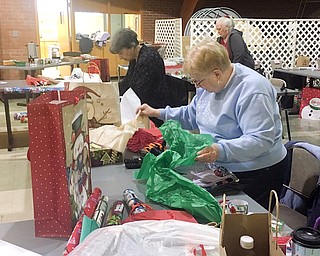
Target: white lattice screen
x,y
169,32
270,39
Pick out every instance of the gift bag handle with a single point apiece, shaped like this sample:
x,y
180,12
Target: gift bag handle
x,y
224,202
89,65
203,251
274,194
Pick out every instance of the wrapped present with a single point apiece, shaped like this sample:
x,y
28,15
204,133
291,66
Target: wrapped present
x,y
104,156
19,115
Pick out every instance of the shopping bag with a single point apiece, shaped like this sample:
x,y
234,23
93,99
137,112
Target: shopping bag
x,y
60,161
103,102
80,76
310,103
256,225
103,68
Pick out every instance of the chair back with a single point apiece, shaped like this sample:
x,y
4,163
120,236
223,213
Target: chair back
x,y
301,189
305,171
284,102
277,82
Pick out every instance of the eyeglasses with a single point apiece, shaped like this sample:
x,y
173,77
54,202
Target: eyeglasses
x,y
197,83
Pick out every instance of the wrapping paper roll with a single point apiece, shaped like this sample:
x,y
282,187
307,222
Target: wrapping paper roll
x,y
115,214
92,202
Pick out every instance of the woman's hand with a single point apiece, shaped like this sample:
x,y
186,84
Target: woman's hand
x,y
145,109
208,154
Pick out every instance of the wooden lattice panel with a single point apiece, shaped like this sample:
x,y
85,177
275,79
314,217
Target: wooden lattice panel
x,y
169,32
269,39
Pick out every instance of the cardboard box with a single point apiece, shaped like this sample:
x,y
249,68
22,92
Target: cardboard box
x,y
104,156
185,45
302,61
276,64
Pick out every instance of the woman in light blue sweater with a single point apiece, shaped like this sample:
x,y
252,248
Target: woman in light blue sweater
x,y
238,107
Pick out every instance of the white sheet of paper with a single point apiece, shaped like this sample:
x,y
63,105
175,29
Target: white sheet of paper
x,y
128,106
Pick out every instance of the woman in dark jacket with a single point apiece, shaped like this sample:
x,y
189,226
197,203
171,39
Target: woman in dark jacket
x,y
231,38
146,73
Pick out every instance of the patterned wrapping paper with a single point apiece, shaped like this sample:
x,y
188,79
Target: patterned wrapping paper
x,y
32,89
104,156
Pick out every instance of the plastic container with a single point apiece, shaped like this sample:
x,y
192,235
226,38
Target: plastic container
x,y
305,241
247,246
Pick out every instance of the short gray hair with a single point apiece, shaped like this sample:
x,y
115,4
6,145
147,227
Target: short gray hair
x,y
227,21
123,38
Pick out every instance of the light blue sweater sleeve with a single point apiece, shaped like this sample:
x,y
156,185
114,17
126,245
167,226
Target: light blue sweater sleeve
x,y
243,118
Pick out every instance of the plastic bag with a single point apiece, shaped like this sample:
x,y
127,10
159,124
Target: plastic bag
x,y
148,237
183,142
167,187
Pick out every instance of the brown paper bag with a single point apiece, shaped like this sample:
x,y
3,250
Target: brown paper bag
x,y
103,102
256,225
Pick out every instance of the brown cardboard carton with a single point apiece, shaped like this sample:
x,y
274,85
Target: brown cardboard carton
x,y
185,45
302,61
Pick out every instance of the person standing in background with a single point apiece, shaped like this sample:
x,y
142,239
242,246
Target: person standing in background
x,y
232,40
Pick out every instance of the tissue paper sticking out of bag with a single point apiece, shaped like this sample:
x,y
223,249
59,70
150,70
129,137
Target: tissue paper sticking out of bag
x,y
110,136
128,106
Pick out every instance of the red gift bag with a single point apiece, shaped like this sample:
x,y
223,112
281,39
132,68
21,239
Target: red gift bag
x,y
60,161
310,103
100,66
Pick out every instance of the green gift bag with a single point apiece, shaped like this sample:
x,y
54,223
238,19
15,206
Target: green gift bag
x,y
169,188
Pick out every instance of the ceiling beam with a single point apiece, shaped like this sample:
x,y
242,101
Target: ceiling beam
x,y
188,8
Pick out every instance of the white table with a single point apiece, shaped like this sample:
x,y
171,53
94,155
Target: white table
x,y
29,68
24,94
297,77
307,72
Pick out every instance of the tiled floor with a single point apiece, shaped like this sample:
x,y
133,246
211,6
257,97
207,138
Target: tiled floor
x,y
15,186
15,180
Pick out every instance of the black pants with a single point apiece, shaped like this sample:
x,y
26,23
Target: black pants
x,y
258,183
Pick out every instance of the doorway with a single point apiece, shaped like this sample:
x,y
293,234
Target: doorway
x,y
53,22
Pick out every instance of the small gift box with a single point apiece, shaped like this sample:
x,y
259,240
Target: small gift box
x,y
104,156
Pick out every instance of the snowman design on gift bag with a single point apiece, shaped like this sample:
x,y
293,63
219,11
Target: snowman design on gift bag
x,y
79,169
97,111
312,111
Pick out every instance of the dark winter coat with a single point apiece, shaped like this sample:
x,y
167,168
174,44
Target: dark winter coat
x,y
238,50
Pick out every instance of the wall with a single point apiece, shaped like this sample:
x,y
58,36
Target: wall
x,y
18,27
273,9
268,9
154,10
